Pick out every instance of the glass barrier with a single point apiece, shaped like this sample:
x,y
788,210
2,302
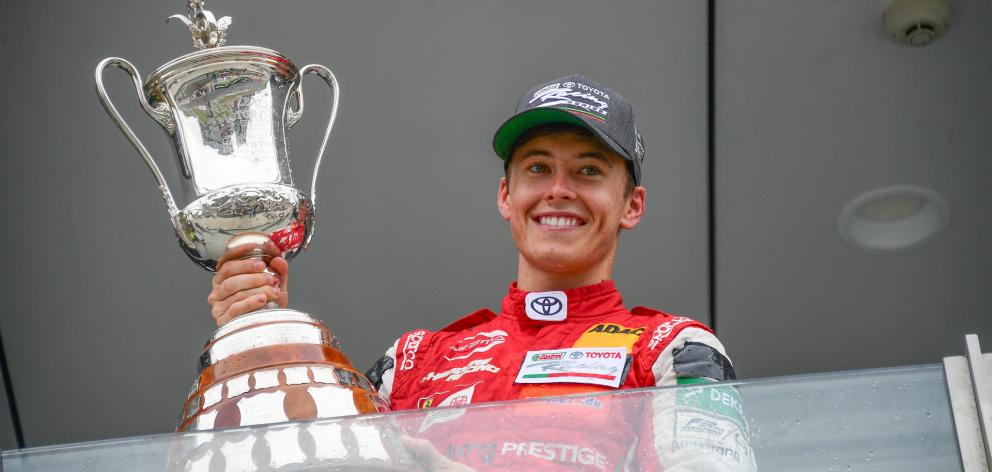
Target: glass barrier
x,y
874,420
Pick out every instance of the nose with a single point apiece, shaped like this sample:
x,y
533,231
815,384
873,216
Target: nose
x,y
561,187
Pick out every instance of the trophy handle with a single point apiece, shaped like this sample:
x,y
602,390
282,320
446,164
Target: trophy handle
x,y
161,115
294,116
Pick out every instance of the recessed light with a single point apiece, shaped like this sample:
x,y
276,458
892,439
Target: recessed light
x,y
894,217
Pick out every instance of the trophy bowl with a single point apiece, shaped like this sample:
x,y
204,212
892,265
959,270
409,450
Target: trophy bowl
x,y
280,212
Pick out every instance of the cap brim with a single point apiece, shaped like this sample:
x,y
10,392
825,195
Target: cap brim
x,y
511,130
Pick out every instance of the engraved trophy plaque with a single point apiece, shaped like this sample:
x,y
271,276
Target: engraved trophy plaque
x,y
228,110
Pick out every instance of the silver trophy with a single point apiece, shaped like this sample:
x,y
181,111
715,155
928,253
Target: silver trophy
x,y
228,110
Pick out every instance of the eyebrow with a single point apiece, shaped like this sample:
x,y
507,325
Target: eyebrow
x,y
596,155
586,155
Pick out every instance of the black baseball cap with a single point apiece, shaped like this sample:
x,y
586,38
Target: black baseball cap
x,y
577,100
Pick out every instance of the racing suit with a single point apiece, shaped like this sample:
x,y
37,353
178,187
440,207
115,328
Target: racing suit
x,y
582,340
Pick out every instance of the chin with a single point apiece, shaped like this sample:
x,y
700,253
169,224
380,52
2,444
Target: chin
x,y
559,262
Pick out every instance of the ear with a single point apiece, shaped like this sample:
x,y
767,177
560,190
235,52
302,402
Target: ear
x,y
633,208
503,198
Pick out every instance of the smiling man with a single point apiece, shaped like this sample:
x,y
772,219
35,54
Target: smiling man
x,y
572,156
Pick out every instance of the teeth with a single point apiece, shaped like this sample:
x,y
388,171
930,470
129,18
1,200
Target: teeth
x,y
558,221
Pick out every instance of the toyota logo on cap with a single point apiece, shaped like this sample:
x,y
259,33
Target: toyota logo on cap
x,y
546,306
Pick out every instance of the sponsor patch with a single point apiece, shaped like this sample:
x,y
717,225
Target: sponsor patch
x,y
478,365
479,342
410,347
596,366
546,306
665,329
461,397
610,335
699,360
576,98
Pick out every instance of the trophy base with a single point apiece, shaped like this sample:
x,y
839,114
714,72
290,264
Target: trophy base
x,y
272,366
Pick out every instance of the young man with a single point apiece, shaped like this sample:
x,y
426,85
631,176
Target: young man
x,y
572,155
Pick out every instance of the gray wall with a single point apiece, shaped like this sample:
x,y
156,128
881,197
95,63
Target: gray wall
x,y
814,107
105,316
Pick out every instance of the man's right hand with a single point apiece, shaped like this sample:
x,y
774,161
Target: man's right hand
x,y
244,285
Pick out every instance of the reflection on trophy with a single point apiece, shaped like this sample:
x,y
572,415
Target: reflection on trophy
x,y
228,109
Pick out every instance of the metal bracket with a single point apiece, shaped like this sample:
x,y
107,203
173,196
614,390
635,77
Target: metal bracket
x,y
983,394
971,404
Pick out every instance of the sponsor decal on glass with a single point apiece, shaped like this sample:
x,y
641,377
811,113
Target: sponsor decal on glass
x,y
556,452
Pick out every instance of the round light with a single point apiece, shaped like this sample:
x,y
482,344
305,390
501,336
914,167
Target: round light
x,y
892,218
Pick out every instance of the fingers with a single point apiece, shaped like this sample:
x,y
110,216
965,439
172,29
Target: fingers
x,y
244,301
237,283
237,267
244,285
422,449
239,251
430,458
247,304
281,268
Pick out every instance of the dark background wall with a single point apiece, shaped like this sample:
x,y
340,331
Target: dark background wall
x,y
105,316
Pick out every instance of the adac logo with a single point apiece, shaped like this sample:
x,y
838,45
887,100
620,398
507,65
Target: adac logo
x,y
546,306
609,328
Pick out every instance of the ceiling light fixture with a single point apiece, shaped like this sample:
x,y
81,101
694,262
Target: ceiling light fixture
x,y
893,218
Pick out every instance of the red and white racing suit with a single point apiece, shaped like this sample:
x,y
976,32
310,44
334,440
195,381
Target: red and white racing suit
x,y
529,350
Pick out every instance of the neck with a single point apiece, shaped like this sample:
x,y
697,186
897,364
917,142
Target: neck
x,y
532,278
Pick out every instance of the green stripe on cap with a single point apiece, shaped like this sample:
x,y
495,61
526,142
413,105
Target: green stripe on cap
x,y
507,135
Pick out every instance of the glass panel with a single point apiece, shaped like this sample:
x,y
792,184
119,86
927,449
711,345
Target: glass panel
x,y
876,420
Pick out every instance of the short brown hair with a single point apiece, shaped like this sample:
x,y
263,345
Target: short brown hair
x,y
561,128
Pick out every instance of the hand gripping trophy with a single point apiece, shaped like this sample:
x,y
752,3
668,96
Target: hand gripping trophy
x,y
228,109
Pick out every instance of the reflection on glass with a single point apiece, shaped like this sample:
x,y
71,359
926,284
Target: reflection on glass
x,y
878,420
284,447
327,439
